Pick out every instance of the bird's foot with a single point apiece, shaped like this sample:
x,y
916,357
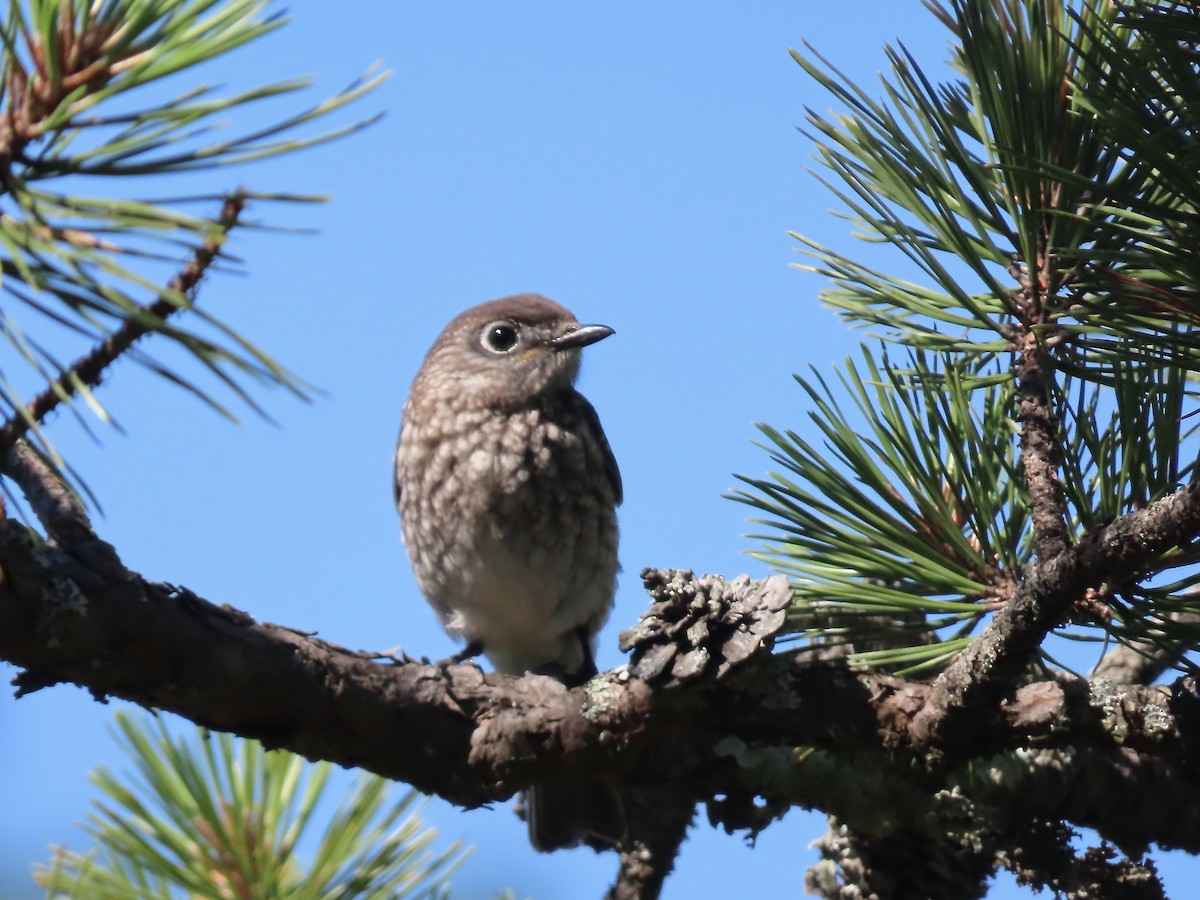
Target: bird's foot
x,y
470,651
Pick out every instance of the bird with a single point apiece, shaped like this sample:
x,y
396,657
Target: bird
x,y
507,492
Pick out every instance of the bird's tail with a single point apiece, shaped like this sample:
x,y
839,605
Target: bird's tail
x,y
562,812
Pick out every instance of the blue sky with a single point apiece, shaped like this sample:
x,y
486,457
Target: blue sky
x,y
640,163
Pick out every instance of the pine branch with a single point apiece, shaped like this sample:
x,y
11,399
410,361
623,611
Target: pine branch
x,y
87,370
659,818
205,815
1144,662
1040,451
57,507
83,98
474,738
909,863
980,676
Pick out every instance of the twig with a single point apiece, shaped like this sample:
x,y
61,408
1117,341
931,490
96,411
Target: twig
x,y
1040,452
88,369
57,507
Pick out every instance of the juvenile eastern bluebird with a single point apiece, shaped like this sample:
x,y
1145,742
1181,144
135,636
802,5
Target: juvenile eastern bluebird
x,y
507,492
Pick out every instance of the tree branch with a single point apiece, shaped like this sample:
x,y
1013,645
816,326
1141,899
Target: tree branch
x,y
659,819
475,738
87,371
981,675
908,862
1044,859
57,507
1142,662
1040,451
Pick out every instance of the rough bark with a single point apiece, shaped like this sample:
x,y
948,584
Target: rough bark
x,y
706,712
988,670
659,820
474,737
1040,451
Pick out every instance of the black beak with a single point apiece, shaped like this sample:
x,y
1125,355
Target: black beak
x,y
580,336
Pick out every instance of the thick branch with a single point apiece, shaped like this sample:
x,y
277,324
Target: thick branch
x,y
985,672
474,738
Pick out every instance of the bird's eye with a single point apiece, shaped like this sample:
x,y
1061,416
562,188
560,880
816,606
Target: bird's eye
x,y
500,337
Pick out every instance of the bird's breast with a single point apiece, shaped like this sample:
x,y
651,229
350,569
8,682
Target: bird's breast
x,y
510,523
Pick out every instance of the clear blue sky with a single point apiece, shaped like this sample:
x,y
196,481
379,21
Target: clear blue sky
x,y
638,162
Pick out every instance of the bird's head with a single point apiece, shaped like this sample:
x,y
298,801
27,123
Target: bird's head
x,y
507,352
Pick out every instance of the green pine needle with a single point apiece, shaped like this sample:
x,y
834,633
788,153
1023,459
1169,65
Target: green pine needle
x,y
82,85
1046,192
220,817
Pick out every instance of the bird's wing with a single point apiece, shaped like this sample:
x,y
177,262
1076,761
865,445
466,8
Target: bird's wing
x,y
592,421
